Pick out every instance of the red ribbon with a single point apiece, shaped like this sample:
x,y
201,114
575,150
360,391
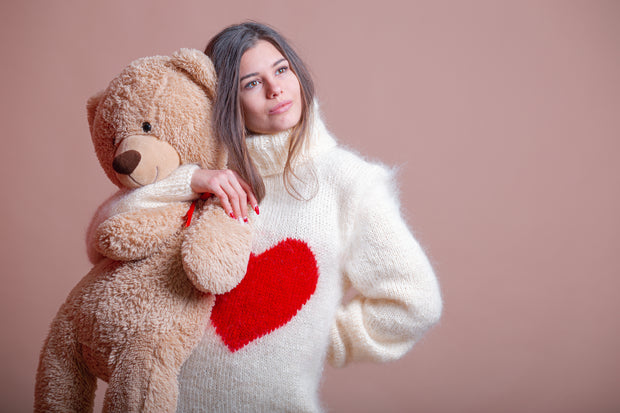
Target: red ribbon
x,y
192,207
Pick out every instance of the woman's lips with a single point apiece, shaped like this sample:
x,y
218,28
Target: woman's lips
x,y
281,107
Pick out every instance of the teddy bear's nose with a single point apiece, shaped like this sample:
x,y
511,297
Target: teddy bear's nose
x,y
126,162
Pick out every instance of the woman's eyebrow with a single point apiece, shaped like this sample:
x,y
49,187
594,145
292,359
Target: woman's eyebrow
x,y
256,73
248,75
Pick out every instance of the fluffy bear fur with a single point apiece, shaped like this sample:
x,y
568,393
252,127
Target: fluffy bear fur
x,y
136,316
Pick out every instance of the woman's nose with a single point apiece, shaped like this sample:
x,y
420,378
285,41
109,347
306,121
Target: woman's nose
x,y
273,89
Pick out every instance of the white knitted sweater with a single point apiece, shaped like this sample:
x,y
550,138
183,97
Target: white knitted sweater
x,y
268,339
266,345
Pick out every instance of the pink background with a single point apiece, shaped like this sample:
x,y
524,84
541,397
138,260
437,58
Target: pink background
x,y
504,118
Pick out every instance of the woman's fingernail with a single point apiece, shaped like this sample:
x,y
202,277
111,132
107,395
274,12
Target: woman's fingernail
x,y
256,210
245,219
230,214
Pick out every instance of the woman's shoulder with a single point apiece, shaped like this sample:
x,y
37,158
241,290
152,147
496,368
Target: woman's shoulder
x,y
348,165
350,176
343,166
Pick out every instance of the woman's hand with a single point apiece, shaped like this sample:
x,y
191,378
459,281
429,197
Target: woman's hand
x,y
233,192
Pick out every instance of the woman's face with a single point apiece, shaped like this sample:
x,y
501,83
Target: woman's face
x,y
269,90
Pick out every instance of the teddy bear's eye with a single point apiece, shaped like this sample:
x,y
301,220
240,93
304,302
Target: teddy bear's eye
x,y
146,127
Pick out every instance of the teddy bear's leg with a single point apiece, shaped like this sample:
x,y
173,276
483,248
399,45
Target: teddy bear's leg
x,y
164,390
63,382
216,250
145,381
128,383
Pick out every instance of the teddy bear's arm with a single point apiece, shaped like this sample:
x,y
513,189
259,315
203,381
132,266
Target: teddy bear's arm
x,y
216,250
135,235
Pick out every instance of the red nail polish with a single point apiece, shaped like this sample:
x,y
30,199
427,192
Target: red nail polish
x,y
256,210
230,214
245,219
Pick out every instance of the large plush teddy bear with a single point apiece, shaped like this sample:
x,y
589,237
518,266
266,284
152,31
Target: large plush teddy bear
x,y
136,316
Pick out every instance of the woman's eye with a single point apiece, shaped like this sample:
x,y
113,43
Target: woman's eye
x,y
252,84
281,70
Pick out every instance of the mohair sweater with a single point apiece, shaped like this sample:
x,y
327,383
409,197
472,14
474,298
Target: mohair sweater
x,y
268,339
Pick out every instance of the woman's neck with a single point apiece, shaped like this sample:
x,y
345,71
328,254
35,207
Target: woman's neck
x,y
270,152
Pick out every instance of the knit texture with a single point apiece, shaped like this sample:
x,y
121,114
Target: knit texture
x,y
268,339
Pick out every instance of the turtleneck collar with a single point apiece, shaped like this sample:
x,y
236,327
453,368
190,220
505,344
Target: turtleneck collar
x,y
269,152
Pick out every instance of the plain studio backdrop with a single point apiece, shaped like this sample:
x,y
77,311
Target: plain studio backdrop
x,y
502,117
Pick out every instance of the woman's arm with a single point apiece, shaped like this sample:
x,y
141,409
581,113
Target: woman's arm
x,y
173,189
398,296
184,184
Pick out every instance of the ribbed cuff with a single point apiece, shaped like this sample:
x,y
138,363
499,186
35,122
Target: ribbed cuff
x,y
175,188
336,353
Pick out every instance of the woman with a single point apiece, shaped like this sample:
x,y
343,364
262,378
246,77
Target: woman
x,y
328,221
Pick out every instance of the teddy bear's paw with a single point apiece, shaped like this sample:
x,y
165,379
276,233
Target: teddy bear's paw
x,y
135,235
216,251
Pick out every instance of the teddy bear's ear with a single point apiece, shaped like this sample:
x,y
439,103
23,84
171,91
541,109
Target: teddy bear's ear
x,y
198,66
91,107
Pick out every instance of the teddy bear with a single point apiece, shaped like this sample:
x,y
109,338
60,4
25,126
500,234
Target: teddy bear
x,y
134,319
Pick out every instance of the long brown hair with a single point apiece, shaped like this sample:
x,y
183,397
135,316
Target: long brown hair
x,y
225,50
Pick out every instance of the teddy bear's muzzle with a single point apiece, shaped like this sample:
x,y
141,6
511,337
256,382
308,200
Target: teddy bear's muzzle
x,y
141,160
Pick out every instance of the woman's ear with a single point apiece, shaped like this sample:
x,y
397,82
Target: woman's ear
x,y
198,66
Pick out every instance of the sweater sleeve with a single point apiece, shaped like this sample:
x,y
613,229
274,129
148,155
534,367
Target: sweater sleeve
x,y
398,297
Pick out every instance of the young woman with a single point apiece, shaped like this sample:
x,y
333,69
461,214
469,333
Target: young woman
x,y
328,221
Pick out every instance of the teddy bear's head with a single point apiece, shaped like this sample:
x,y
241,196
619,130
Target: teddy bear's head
x,y
155,116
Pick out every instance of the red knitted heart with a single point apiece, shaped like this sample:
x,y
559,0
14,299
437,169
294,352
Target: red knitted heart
x,y
276,286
